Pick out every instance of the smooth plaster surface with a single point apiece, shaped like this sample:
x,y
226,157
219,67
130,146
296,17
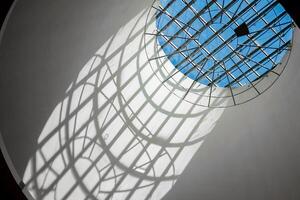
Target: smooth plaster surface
x,y
253,152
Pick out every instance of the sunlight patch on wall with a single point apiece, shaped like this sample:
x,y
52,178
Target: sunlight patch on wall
x,y
118,133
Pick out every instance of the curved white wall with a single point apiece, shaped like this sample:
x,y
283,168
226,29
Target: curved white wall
x,y
254,150
252,153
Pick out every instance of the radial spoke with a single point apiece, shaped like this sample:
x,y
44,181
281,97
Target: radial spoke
x,y
172,54
209,11
250,59
195,80
222,10
172,75
229,85
265,47
245,75
211,86
235,12
179,37
191,86
175,19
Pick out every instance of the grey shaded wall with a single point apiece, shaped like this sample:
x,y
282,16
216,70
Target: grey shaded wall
x,y
254,150
44,46
253,153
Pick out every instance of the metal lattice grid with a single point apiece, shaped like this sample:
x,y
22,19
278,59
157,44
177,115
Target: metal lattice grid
x,y
220,44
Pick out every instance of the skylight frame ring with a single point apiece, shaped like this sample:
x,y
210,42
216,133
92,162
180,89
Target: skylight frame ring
x,y
245,88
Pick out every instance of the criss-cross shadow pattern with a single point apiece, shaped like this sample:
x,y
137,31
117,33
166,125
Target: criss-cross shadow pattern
x,y
118,133
237,49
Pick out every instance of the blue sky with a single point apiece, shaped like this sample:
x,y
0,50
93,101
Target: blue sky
x,y
245,58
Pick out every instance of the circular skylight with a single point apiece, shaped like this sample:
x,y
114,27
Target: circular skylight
x,y
230,44
224,42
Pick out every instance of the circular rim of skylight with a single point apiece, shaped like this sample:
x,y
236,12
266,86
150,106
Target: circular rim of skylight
x,y
184,86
